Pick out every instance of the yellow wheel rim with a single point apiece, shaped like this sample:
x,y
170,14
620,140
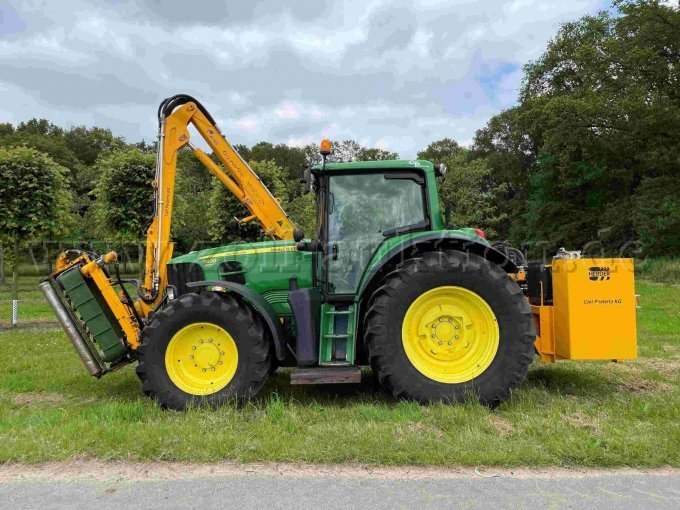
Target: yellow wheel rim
x,y
201,358
450,334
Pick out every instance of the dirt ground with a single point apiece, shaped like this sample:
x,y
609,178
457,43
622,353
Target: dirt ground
x,y
136,471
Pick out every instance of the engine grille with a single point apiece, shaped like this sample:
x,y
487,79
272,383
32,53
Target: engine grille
x,y
232,271
276,296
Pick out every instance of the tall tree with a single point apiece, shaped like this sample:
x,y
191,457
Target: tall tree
x,y
656,215
6,128
289,159
375,154
467,188
123,203
344,151
510,153
34,199
597,115
43,136
192,203
444,151
88,143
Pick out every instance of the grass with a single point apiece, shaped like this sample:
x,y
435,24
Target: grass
x,y
32,306
663,270
567,414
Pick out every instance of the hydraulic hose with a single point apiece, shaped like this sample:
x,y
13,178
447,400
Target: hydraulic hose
x,y
169,104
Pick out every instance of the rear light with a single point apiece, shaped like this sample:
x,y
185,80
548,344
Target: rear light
x,y
480,233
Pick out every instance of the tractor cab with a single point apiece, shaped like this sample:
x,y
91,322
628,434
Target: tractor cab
x,y
361,205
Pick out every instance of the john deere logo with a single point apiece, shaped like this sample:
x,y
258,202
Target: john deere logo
x,y
596,273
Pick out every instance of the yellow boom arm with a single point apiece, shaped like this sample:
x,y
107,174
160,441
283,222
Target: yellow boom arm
x,y
175,115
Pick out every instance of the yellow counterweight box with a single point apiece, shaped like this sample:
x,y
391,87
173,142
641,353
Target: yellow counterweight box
x,y
593,313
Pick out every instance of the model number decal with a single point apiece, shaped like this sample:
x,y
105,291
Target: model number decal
x,y
211,259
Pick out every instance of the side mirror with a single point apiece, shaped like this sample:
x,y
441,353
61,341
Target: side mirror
x,y
440,170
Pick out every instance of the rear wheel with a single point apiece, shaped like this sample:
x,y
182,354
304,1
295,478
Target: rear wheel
x,y
448,325
204,350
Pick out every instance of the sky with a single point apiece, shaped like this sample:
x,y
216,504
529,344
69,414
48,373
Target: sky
x,y
390,74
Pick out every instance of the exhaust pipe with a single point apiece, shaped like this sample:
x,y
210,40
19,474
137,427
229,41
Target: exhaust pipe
x,y
89,358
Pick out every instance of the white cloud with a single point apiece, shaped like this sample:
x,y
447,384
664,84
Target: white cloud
x,y
300,142
248,124
288,110
397,74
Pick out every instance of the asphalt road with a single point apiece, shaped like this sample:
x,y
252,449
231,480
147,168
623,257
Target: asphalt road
x,y
257,490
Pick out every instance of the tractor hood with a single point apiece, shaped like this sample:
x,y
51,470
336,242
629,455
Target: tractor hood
x,y
265,267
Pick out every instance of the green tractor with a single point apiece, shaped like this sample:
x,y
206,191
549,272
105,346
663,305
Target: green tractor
x,y
433,311
436,312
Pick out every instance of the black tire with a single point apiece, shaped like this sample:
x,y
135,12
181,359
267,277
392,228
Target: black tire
x,y
388,306
237,318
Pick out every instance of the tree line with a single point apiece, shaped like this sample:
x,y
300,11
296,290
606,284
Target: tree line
x,y
587,159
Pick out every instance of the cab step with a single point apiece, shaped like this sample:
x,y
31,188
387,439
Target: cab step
x,y
326,375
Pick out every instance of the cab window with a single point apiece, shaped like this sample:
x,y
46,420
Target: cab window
x,y
364,209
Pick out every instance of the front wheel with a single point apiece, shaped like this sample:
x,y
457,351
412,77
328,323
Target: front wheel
x,y
204,350
448,325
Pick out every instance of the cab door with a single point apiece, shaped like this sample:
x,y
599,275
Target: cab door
x,y
363,209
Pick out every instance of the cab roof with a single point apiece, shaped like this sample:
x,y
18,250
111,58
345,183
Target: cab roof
x,y
390,164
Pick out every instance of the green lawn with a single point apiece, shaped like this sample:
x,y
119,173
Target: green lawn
x,y
568,414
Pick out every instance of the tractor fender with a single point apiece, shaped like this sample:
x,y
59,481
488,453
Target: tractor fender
x,y
260,305
434,241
